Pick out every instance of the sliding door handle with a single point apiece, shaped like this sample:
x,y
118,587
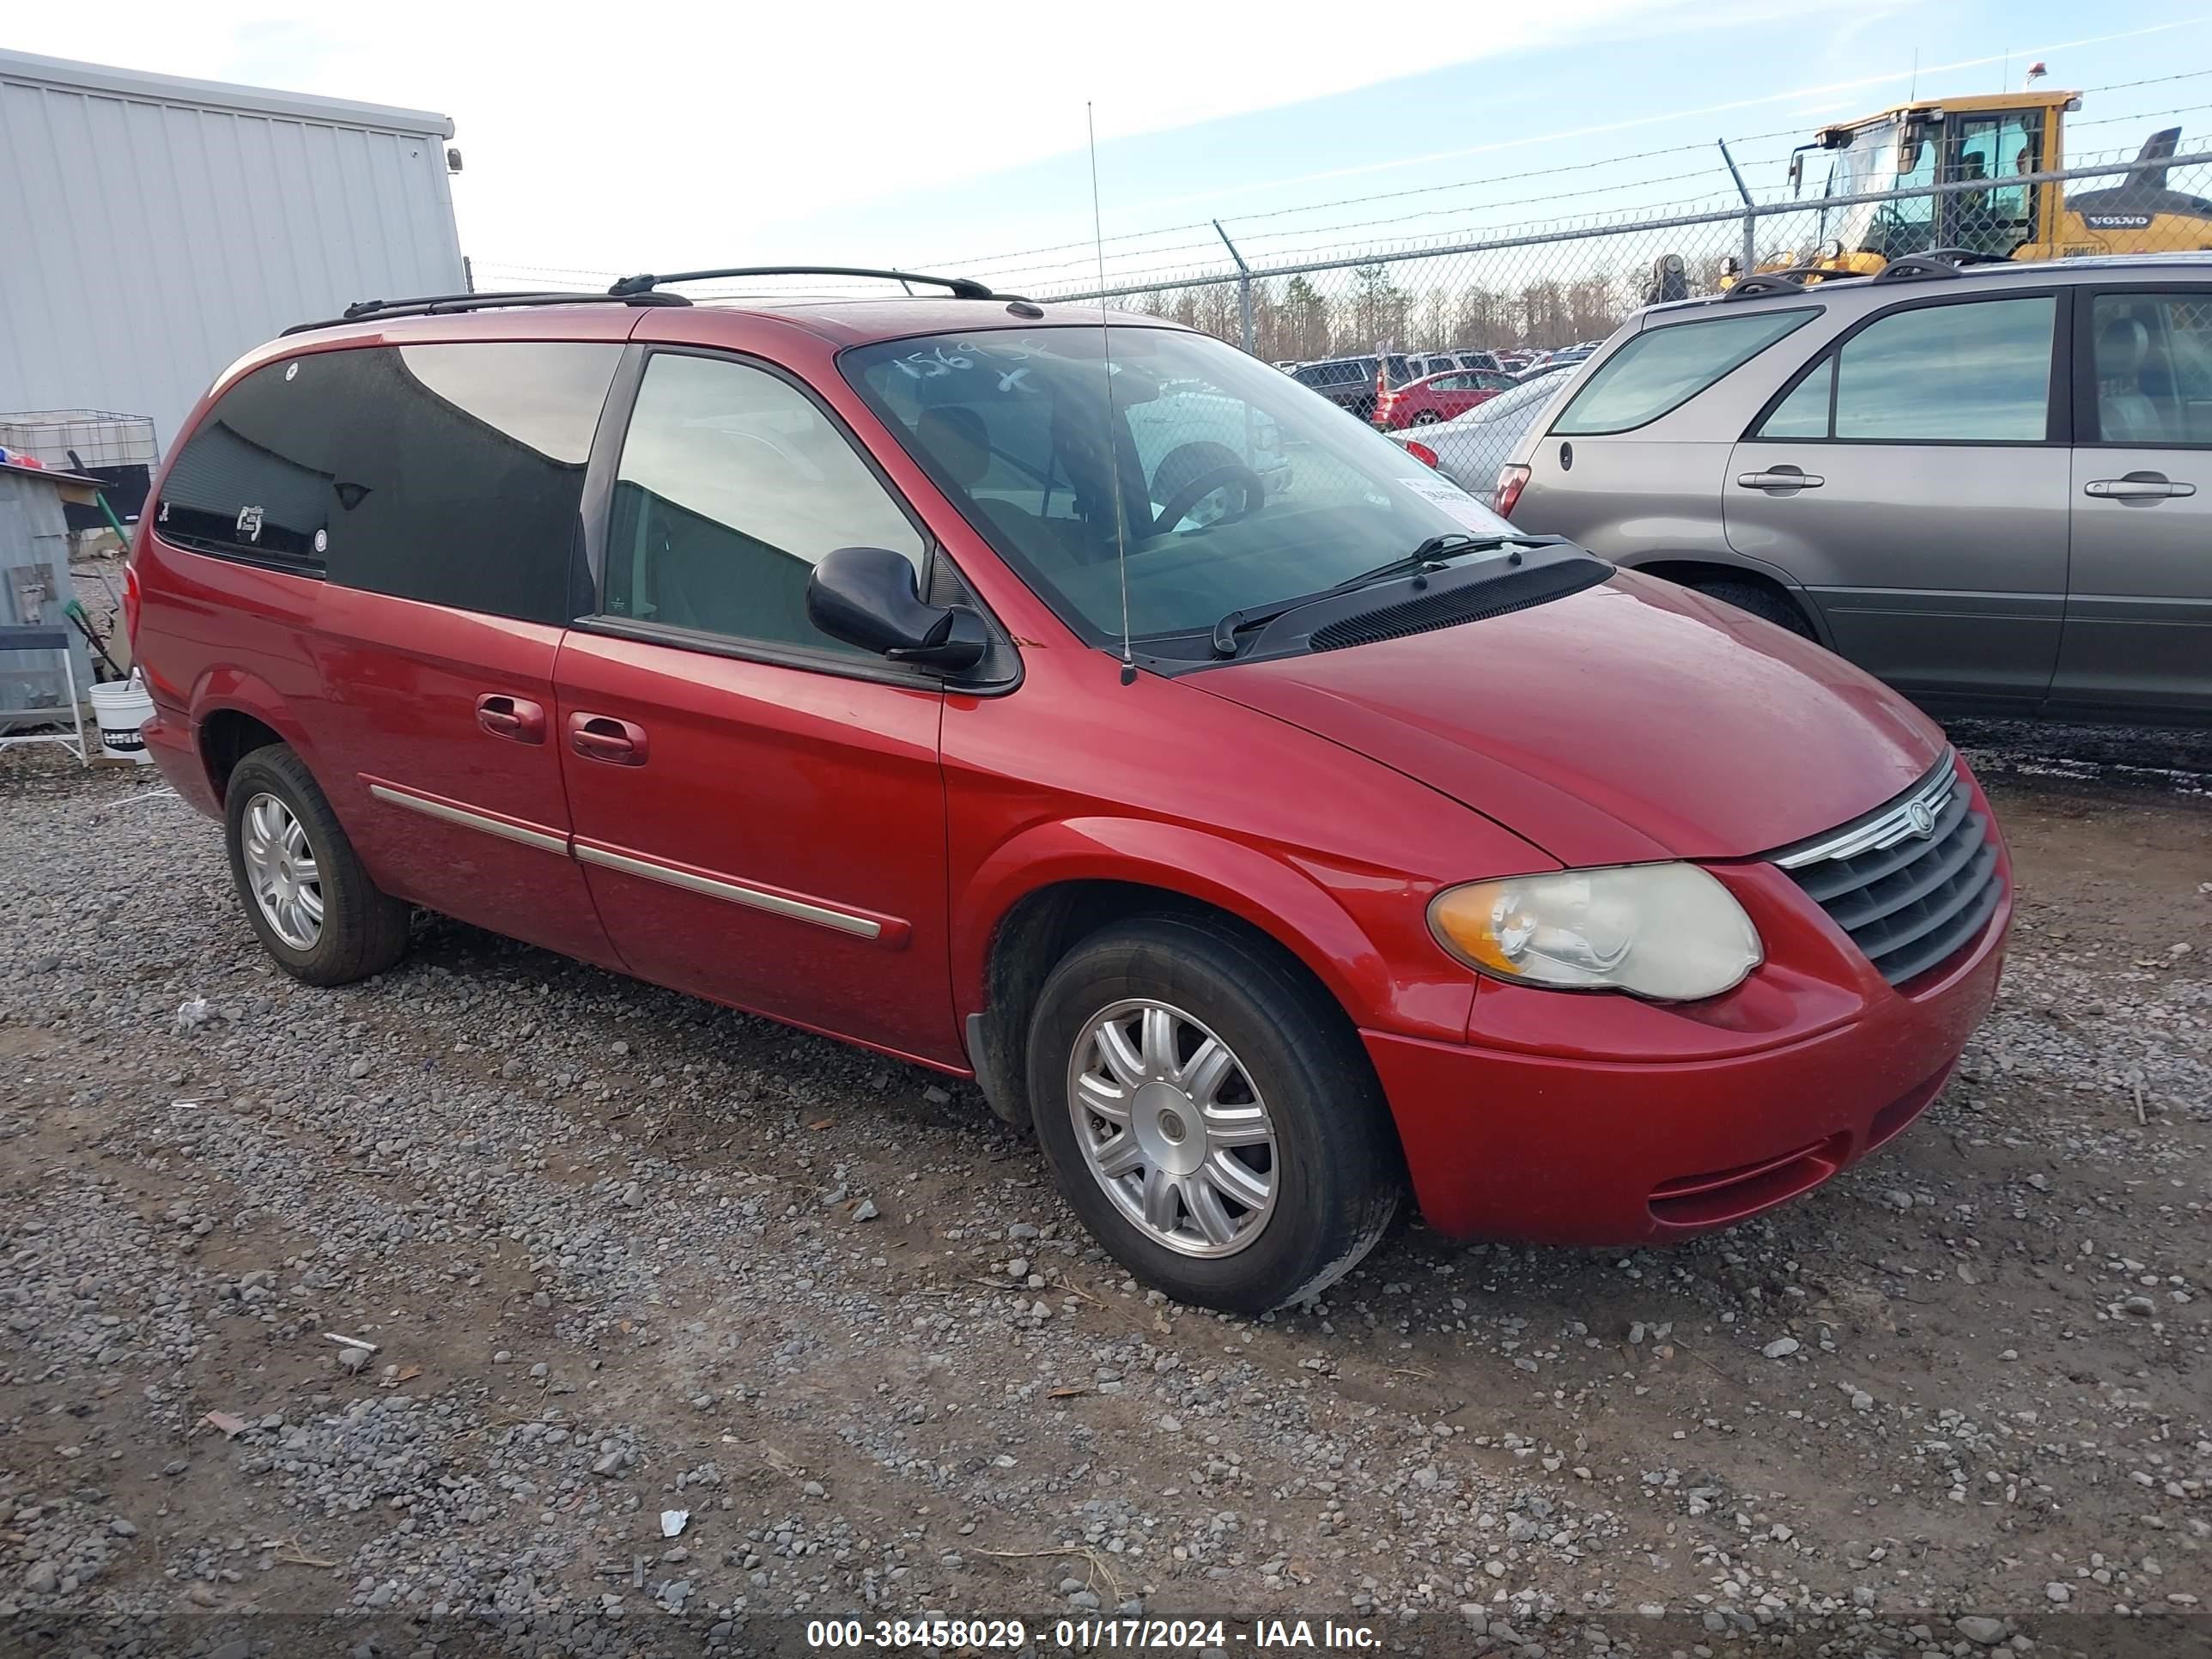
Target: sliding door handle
x,y
516,719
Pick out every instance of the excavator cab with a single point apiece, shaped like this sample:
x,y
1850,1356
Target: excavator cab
x,y
1988,149
1985,145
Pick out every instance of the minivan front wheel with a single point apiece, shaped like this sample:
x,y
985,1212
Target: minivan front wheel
x,y
305,891
1209,1115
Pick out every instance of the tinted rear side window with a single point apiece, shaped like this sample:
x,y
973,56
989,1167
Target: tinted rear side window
x,y
449,473
253,480
462,473
1663,369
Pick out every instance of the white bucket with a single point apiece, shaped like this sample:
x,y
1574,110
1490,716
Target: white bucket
x,y
120,708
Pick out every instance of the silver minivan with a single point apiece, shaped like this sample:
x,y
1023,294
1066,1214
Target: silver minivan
x,y
1989,484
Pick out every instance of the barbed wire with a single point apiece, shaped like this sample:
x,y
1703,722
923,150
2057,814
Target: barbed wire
x,y
1706,145
2151,81
1244,239
1411,245
2142,115
1141,258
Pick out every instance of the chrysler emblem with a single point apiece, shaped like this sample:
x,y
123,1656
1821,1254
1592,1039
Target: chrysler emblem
x,y
1922,817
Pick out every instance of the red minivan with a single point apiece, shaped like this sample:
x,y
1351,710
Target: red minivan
x,y
943,675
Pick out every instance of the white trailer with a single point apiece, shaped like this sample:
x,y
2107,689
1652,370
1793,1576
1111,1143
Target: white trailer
x,y
153,228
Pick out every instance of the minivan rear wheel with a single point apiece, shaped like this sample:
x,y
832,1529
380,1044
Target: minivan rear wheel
x,y
1209,1114
1761,601
305,891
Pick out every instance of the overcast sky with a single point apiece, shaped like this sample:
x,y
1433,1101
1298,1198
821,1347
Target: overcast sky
x,y
675,133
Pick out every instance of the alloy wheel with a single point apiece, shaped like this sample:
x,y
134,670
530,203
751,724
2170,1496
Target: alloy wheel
x,y
1172,1128
282,870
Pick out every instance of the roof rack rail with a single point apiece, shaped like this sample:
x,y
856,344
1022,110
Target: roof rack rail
x,y
963,288
432,305
1936,262
1792,280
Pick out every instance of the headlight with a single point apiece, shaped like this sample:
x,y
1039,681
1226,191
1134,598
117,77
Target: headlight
x,y
1665,931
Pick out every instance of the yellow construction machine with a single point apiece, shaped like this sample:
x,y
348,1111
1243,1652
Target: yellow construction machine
x,y
1984,146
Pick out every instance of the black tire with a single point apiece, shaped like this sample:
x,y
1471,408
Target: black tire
x,y
1426,417
1337,1169
1761,601
364,929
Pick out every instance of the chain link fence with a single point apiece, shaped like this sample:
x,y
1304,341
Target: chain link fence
x,y
1549,286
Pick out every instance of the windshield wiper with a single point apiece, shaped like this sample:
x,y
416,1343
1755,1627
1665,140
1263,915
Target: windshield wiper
x,y
1428,555
1449,544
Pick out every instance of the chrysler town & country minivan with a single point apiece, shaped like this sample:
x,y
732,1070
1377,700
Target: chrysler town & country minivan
x,y
1268,847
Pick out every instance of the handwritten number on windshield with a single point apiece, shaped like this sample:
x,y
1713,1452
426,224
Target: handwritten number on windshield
x,y
937,362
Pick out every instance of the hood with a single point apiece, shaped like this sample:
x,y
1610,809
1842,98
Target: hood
x,y
1631,722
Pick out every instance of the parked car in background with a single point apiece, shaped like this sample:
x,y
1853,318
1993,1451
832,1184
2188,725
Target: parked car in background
x,y
839,661
1419,365
1988,485
1349,382
1513,363
1470,450
1565,357
1439,396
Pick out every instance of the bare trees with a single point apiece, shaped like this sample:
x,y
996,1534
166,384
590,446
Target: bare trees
x,y
1295,318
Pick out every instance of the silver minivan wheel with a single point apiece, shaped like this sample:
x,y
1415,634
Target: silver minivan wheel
x,y
286,880
1171,1128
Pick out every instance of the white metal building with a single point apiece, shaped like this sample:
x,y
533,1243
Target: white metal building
x,y
153,228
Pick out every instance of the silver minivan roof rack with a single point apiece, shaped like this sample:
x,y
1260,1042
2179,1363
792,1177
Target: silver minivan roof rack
x,y
1936,262
1763,282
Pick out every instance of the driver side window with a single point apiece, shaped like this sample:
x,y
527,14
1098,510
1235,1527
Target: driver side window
x,y
732,486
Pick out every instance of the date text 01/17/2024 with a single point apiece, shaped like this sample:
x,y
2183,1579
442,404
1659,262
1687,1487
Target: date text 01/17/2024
x,y
1091,1635
1094,1634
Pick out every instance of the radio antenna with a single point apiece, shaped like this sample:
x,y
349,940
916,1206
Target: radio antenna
x,y
1106,356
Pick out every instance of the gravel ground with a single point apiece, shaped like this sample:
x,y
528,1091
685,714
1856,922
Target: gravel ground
x,y
621,1253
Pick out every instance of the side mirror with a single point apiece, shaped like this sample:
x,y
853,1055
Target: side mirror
x,y
867,596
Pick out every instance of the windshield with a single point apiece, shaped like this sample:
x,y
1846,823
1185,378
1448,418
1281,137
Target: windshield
x,y
1236,486
1870,164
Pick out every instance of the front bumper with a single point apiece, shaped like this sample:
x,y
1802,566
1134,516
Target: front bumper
x,y
1529,1133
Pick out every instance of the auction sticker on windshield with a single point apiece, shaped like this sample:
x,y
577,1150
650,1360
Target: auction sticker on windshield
x,y
1452,500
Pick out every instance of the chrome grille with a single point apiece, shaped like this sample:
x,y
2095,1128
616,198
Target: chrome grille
x,y
1912,882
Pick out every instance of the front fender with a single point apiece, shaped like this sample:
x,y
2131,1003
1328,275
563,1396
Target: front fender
x,y
1364,934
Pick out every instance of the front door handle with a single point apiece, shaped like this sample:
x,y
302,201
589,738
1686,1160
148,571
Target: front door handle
x,y
1780,477
603,737
516,719
2137,487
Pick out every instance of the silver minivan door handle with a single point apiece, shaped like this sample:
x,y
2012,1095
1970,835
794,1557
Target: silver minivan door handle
x,y
2137,487
1780,477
